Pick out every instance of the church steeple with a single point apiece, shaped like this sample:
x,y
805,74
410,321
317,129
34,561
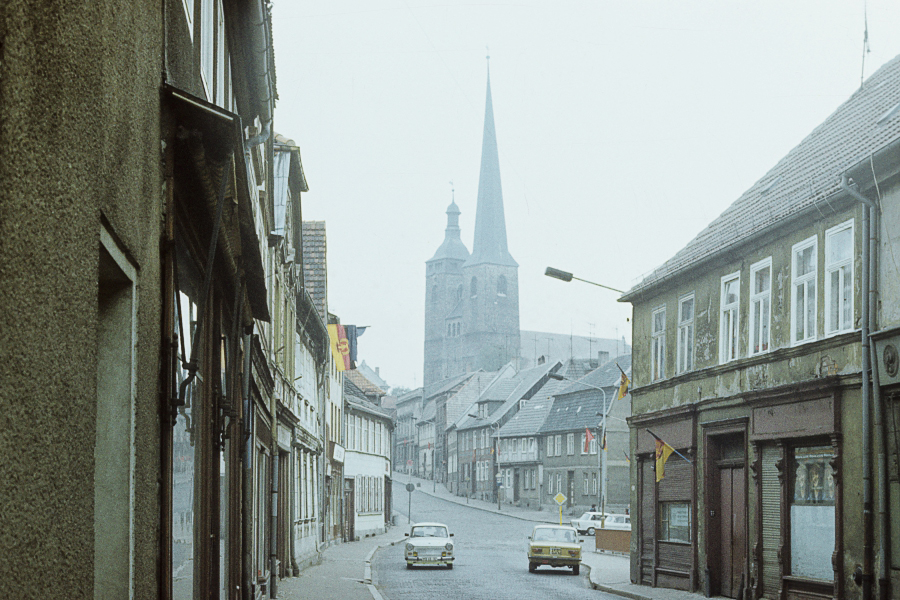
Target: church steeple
x,y
490,223
453,246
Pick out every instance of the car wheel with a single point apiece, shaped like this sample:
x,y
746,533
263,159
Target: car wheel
x,y
409,565
590,531
450,566
531,567
576,569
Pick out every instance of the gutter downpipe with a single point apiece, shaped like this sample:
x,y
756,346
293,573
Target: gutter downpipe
x,y
867,282
247,483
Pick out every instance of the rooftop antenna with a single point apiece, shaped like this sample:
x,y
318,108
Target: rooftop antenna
x,y
452,192
866,49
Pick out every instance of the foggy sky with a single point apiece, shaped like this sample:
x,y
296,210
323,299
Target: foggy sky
x,y
623,128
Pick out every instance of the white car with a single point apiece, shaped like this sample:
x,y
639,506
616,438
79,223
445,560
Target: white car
x,y
429,544
590,521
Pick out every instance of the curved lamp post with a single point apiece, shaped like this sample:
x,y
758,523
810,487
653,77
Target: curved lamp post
x,y
566,276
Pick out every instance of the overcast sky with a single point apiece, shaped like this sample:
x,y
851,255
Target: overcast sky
x,y
623,128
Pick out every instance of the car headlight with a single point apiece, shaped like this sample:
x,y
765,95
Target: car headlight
x,y
410,547
449,546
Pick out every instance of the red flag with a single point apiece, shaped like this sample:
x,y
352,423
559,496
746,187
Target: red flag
x,y
588,436
340,347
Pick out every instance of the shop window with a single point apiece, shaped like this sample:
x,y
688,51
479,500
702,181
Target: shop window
x,y
812,513
675,522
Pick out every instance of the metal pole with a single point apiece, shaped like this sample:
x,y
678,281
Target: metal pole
x,y
499,476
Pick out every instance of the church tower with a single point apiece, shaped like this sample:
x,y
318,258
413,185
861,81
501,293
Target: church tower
x,y
443,303
491,316
472,301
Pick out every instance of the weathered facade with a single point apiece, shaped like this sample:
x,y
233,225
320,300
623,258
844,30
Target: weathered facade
x,y
751,359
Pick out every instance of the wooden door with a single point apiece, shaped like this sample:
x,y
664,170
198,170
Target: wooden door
x,y
732,527
349,511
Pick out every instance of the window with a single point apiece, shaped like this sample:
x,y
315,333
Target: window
x,y
803,290
559,445
728,319
594,445
501,286
207,46
760,306
570,444
585,487
583,444
473,285
189,15
594,484
658,344
839,278
559,487
220,55
812,513
352,432
675,522
685,355
550,485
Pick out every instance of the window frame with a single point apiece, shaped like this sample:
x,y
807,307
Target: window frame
x,y
658,345
837,266
756,297
682,364
570,444
732,310
813,242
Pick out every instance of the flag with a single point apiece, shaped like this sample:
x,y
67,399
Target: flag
x,y
663,451
340,347
623,384
627,458
588,438
353,332
603,445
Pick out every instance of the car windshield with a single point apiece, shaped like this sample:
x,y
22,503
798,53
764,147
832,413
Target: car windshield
x,y
554,535
429,531
586,516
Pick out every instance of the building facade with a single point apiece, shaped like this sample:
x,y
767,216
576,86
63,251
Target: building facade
x,y
752,358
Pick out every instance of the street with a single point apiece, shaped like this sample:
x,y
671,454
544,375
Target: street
x,y
490,558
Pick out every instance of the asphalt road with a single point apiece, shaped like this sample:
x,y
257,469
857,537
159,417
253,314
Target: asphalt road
x,y
490,564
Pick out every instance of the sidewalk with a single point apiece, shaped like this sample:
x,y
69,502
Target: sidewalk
x,y
344,571
609,572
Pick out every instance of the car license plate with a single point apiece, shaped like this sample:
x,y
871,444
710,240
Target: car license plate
x,y
555,551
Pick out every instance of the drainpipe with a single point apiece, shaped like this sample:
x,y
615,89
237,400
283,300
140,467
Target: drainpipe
x,y
247,491
273,530
295,445
868,323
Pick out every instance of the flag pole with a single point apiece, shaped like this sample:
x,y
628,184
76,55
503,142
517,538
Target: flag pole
x,y
670,446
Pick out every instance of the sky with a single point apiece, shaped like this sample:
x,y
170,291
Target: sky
x,y
623,128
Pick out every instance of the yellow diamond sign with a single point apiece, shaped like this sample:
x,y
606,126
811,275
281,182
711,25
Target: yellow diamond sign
x,y
560,498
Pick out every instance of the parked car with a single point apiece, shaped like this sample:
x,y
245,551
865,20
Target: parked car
x,y
590,521
429,544
554,546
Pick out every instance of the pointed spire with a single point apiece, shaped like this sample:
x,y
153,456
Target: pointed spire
x,y
490,223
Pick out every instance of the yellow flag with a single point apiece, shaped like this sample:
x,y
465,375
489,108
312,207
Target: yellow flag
x,y
663,450
623,386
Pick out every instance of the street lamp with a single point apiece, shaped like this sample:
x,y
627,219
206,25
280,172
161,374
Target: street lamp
x,y
566,276
602,453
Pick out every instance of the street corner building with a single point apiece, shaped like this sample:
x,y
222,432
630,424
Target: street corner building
x,y
765,368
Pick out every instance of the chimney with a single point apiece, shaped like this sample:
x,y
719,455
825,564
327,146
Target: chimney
x,y
541,359
378,369
602,357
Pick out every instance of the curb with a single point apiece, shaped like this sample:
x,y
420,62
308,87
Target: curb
x,y
481,508
618,592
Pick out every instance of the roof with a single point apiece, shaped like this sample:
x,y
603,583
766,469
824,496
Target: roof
x,y
573,412
509,390
489,245
315,266
607,376
563,346
806,177
452,246
530,418
360,380
445,385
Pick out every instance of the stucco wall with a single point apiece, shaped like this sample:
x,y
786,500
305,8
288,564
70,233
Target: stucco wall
x,y
79,145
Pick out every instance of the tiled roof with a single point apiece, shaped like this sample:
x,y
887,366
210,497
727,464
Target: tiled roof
x,y
573,412
314,264
607,376
445,385
509,390
360,380
530,417
805,178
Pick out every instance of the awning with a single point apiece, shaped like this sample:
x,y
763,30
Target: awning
x,y
215,132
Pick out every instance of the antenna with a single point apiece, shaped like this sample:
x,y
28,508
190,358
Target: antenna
x,y
452,192
865,47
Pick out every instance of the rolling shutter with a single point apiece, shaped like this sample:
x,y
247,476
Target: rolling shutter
x,y
771,522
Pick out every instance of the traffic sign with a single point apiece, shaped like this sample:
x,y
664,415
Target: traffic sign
x,y
410,488
409,463
560,498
